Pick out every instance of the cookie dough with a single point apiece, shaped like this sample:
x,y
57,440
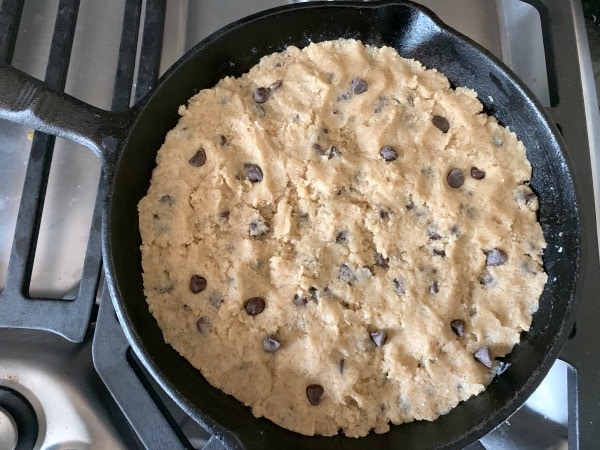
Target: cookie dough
x,y
341,240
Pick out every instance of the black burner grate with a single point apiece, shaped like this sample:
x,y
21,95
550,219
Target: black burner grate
x,y
10,16
68,318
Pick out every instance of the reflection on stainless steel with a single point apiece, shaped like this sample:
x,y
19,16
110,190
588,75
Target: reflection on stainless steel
x,y
542,422
73,408
548,401
523,46
13,154
8,431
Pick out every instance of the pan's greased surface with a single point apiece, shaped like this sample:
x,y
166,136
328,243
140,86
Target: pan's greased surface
x,y
341,240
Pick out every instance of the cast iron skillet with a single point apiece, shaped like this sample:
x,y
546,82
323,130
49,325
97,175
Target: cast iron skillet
x,y
127,144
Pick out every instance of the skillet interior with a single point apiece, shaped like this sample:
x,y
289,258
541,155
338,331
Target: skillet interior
x,y
232,51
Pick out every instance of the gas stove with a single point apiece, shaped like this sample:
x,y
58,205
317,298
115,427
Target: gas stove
x,y
68,378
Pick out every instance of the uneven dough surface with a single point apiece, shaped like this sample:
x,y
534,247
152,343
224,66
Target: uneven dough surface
x,y
341,240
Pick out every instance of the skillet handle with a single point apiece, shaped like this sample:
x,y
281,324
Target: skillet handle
x,y
28,101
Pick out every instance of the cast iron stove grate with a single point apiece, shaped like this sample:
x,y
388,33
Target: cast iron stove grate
x,y
69,318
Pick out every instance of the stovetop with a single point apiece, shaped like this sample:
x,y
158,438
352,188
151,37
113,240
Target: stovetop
x,y
80,382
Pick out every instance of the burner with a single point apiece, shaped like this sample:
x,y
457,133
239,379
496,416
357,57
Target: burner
x,y
18,421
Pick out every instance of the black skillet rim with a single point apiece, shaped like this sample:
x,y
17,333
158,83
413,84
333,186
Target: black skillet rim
x,y
501,413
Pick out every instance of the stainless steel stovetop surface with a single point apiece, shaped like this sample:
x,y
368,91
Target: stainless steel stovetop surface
x,y
58,379
56,371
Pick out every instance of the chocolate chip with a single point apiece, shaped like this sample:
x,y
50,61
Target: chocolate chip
x,y
258,227
378,337
260,110
455,178
254,173
359,85
433,235
399,286
497,140
345,304
529,198
468,211
197,284
314,293
381,261
341,237
261,94
314,392
166,200
346,274
271,343
168,286
527,268
441,123
495,257
317,147
303,219
254,305
340,365
477,174
221,140
215,299
486,279
224,214
427,171
484,356
437,252
501,367
333,151
404,404
299,301
198,159
203,325
379,104
384,214
458,326
434,288
276,85
388,153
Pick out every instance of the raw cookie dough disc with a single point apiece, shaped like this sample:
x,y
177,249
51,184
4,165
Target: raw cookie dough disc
x,y
341,240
